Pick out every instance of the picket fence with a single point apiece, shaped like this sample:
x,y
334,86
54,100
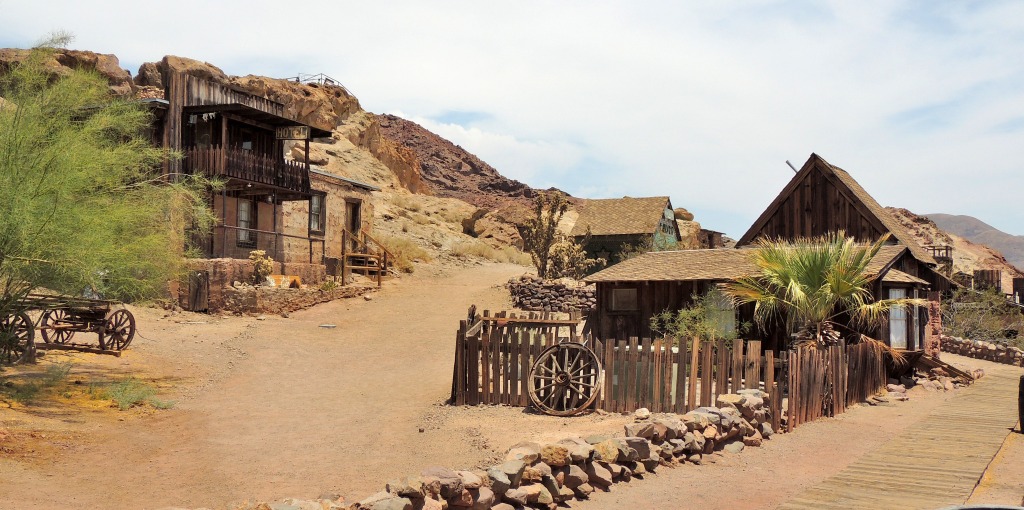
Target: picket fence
x,y
494,356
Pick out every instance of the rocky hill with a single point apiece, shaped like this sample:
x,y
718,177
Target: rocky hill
x,y
967,255
978,231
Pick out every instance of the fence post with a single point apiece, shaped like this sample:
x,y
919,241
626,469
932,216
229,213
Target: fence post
x,y
1020,406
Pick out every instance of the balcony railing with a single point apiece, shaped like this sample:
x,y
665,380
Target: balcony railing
x,y
226,241
247,166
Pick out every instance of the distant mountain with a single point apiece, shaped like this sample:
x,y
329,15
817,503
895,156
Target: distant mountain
x,y
975,230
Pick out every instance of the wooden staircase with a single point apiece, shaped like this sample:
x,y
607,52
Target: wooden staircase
x,y
362,254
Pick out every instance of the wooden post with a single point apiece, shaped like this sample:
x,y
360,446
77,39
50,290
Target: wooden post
x,y
344,254
1020,406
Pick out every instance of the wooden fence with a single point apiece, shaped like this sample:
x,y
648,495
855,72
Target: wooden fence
x,y
494,356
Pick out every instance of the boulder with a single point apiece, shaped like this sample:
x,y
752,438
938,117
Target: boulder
x,y
450,481
753,440
584,491
513,469
500,481
408,487
527,452
483,499
463,499
517,497
470,480
728,400
503,506
641,446
640,429
694,458
579,450
598,475
385,501
694,443
734,447
574,476
766,430
555,455
642,414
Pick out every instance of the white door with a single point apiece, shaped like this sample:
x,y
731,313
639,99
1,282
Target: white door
x,y
897,321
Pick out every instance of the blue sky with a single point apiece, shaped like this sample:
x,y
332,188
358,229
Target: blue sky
x,y
922,102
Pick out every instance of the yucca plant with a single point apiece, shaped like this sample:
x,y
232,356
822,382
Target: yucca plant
x,y
810,282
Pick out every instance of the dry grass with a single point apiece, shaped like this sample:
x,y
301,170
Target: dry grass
x,y
406,252
505,254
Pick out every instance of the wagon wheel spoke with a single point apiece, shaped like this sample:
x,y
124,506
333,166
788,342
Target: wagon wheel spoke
x,y
16,335
564,380
59,318
120,329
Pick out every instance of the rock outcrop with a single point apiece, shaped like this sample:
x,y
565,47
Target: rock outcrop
x,y
64,61
448,170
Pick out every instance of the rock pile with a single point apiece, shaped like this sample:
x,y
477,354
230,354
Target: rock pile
x,y
547,475
998,352
534,294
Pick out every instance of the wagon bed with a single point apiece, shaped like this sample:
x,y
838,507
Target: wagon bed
x,y
60,318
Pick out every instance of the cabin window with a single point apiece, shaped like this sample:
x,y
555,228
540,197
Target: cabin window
x,y
317,210
722,313
898,321
246,222
625,300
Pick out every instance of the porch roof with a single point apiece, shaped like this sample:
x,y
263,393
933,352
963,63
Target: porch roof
x,y
720,264
256,115
897,276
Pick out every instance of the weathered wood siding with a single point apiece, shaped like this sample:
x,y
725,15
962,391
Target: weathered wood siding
x,y
817,206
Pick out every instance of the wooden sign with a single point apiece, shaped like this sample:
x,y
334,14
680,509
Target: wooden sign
x,y
293,133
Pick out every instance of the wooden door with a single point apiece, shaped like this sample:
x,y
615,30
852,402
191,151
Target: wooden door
x,y
898,321
199,291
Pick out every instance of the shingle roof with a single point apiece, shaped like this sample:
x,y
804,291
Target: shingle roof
x,y
683,265
719,264
881,213
620,216
897,276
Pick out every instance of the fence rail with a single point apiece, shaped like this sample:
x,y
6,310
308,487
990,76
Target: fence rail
x,y
494,356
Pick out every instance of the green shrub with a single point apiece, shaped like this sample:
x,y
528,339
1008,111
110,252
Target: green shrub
x,y
131,392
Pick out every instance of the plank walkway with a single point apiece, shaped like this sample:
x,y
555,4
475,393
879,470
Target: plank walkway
x,y
934,463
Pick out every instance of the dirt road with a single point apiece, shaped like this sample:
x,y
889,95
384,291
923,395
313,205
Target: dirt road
x,y
282,407
276,407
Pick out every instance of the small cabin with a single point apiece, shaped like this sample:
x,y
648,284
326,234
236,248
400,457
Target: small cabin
x,y
619,225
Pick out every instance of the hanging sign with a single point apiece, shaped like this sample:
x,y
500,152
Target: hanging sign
x,y
293,133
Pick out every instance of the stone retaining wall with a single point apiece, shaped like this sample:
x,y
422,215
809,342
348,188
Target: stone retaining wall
x,y
249,299
998,352
544,476
534,294
224,272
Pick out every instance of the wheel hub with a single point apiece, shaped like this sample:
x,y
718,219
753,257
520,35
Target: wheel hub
x,y
562,378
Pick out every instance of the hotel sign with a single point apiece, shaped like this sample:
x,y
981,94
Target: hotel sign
x,y
293,133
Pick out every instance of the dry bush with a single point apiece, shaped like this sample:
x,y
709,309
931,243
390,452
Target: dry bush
x,y
407,202
405,253
505,254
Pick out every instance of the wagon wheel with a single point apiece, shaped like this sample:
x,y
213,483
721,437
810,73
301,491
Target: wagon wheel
x,y
119,329
57,317
565,379
16,334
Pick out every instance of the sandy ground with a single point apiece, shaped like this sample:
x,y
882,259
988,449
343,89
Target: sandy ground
x,y
786,465
273,408
281,407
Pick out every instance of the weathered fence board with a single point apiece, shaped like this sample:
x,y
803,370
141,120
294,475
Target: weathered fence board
x,y
494,356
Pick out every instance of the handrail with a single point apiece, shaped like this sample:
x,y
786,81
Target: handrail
x,y
378,243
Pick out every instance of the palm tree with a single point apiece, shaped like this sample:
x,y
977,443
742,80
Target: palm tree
x,y
813,281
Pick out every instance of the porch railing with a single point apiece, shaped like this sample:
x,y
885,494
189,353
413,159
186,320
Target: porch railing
x,y
248,166
226,241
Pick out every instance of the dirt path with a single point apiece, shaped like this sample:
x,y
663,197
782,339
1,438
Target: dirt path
x,y
282,407
785,466
272,408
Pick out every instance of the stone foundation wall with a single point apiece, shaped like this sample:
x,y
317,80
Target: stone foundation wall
x,y
980,349
249,299
533,294
224,272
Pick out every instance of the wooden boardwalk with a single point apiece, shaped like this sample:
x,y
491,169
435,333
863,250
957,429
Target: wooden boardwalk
x,y
934,463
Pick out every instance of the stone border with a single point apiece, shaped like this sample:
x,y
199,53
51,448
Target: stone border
x,y
990,351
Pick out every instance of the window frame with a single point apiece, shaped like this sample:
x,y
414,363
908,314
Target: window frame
x,y
247,238
321,214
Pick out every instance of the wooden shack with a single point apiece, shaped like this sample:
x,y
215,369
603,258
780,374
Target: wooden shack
x,y
821,198
617,225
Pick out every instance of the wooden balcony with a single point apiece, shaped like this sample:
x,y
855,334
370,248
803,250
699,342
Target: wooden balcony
x,y
247,166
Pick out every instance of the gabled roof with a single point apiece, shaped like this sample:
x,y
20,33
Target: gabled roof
x,y
621,216
897,276
875,213
721,264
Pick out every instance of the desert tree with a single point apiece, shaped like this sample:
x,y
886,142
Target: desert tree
x,y
554,254
82,203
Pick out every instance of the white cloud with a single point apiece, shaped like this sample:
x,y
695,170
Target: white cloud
x,y
702,101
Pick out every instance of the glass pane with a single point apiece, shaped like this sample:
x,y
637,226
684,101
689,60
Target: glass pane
x,y
897,321
624,300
